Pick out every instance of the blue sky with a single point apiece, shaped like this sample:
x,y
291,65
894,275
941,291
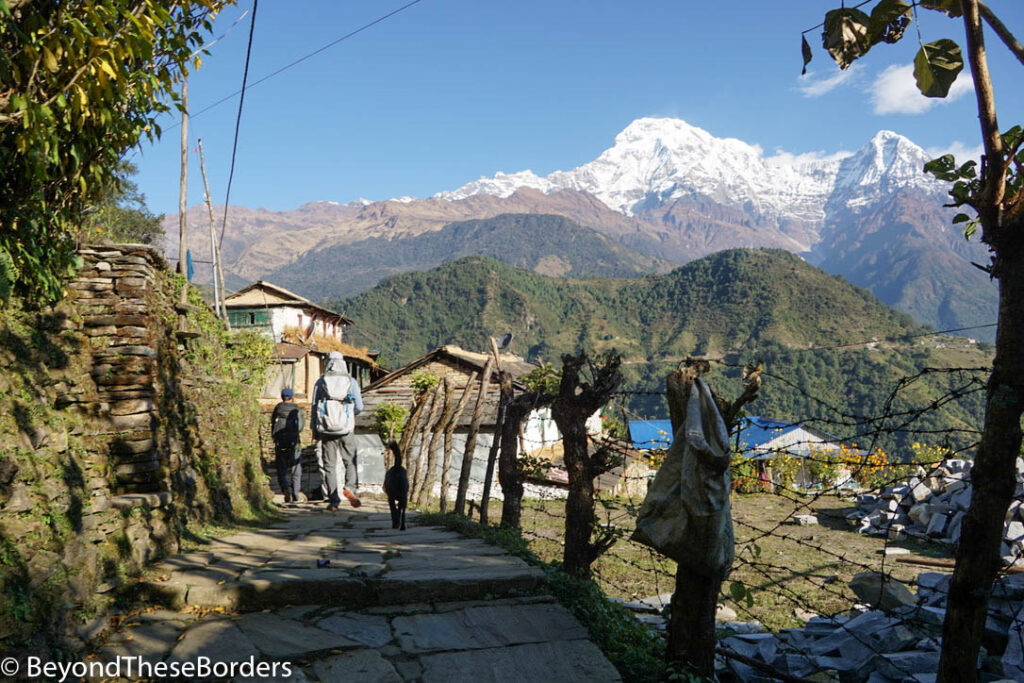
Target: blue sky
x,y
447,91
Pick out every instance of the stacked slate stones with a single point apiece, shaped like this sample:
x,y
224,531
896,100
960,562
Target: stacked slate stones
x,y
932,505
897,640
112,296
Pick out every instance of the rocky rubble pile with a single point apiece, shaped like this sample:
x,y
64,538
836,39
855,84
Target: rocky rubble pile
x,y
899,643
932,505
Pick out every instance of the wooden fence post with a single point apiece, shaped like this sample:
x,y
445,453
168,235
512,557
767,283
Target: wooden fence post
x,y
419,468
505,381
474,430
437,430
449,429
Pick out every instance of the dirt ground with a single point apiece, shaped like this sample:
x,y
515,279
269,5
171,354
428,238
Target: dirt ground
x,y
791,572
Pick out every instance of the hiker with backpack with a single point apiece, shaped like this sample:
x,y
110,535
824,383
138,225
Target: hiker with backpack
x,y
336,402
286,423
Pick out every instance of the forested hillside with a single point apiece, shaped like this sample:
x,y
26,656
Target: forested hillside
x,y
739,304
546,244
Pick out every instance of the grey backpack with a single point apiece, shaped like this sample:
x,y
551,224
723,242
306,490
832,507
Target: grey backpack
x,y
335,414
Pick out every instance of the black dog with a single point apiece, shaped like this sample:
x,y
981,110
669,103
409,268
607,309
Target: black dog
x,y
396,488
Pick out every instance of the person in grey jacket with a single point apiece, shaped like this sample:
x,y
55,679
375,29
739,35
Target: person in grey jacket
x,y
336,402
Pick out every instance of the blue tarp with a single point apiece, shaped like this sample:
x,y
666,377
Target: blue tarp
x,y
756,431
649,435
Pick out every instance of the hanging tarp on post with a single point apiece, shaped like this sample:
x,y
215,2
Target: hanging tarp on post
x,y
686,514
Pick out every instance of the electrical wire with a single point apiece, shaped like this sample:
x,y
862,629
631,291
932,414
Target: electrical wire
x,y
298,61
238,123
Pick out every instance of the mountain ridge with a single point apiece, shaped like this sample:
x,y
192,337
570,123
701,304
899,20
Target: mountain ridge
x,y
739,304
674,191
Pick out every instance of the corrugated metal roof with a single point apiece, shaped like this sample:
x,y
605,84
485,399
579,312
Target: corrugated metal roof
x,y
289,352
756,432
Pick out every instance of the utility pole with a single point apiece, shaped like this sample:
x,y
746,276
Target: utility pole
x,y
182,201
213,237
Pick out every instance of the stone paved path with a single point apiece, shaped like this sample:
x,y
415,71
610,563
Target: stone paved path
x,y
420,605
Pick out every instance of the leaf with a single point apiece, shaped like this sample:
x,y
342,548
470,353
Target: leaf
x,y
960,218
970,229
805,50
950,7
1011,138
847,35
942,168
49,61
737,591
936,66
889,20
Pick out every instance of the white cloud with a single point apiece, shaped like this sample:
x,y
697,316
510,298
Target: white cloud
x,y
816,88
959,150
895,91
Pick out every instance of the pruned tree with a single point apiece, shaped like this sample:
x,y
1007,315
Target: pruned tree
x,y
995,193
80,84
585,386
686,514
511,473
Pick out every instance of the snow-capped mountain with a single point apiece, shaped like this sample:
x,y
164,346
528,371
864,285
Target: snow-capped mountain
x,y
674,192
656,161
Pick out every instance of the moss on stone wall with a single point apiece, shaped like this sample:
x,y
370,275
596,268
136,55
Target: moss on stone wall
x,y
179,413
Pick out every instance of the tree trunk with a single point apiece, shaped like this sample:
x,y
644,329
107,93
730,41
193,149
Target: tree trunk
x,y
576,401
509,475
993,479
579,504
978,556
691,631
474,430
449,430
691,628
430,475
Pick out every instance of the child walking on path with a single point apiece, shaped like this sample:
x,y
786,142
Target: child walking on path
x,y
286,424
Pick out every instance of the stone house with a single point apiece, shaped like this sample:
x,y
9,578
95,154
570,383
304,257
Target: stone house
x,y
458,365
303,332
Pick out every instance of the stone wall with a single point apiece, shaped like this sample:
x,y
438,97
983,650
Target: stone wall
x,y
118,433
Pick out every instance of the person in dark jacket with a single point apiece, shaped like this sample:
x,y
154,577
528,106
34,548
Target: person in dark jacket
x,y
286,424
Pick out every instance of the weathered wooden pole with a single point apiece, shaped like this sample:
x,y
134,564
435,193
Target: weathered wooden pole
x,y
505,384
437,431
419,467
221,312
183,203
474,430
449,430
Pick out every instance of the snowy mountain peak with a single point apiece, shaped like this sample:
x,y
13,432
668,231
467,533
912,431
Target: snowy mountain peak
x,y
886,163
658,161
